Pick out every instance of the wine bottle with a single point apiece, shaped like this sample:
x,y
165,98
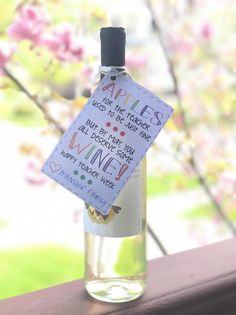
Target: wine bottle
x,y
115,243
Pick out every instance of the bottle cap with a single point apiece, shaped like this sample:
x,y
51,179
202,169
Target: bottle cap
x,y
112,46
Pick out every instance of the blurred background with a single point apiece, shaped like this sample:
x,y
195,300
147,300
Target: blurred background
x,y
184,51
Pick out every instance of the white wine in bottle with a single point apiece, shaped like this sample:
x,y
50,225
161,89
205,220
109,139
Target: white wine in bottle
x,y
115,243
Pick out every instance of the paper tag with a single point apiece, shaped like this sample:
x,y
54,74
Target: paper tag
x,y
102,147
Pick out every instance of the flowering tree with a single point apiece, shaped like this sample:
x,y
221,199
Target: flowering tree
x,y
51,59
204,126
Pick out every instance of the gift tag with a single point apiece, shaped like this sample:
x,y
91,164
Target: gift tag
x,y
101,149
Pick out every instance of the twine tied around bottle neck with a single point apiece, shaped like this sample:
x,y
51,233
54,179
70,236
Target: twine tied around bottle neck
x,y
110,71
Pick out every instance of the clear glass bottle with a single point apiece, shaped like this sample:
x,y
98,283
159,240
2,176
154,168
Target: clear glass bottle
x,y
115,244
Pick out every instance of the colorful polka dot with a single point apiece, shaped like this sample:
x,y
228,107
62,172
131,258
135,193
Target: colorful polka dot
x,y
75,172
108,124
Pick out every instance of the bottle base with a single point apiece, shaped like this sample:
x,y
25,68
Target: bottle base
x,y
115,290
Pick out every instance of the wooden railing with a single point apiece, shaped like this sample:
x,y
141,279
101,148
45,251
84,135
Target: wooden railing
x,y
196,282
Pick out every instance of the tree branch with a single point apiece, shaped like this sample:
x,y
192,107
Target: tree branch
x,y
157,240
35,100
201,179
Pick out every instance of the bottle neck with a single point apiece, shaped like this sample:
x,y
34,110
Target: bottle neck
x,y
112,49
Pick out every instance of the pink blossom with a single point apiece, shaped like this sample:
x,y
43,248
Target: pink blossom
x,y
29,23
64,43
33,174
87,72
227,183
136,61
6,52
180,45
206,31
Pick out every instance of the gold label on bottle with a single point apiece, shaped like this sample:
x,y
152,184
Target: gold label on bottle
x,y
125,216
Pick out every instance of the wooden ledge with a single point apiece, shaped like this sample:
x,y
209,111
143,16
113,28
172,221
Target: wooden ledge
x,y
196,282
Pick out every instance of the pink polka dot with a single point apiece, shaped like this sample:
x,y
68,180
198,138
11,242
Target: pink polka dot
x,y
115,129
122,133
108,124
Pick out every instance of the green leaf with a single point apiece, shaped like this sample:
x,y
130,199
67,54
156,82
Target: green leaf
x,y
7,8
